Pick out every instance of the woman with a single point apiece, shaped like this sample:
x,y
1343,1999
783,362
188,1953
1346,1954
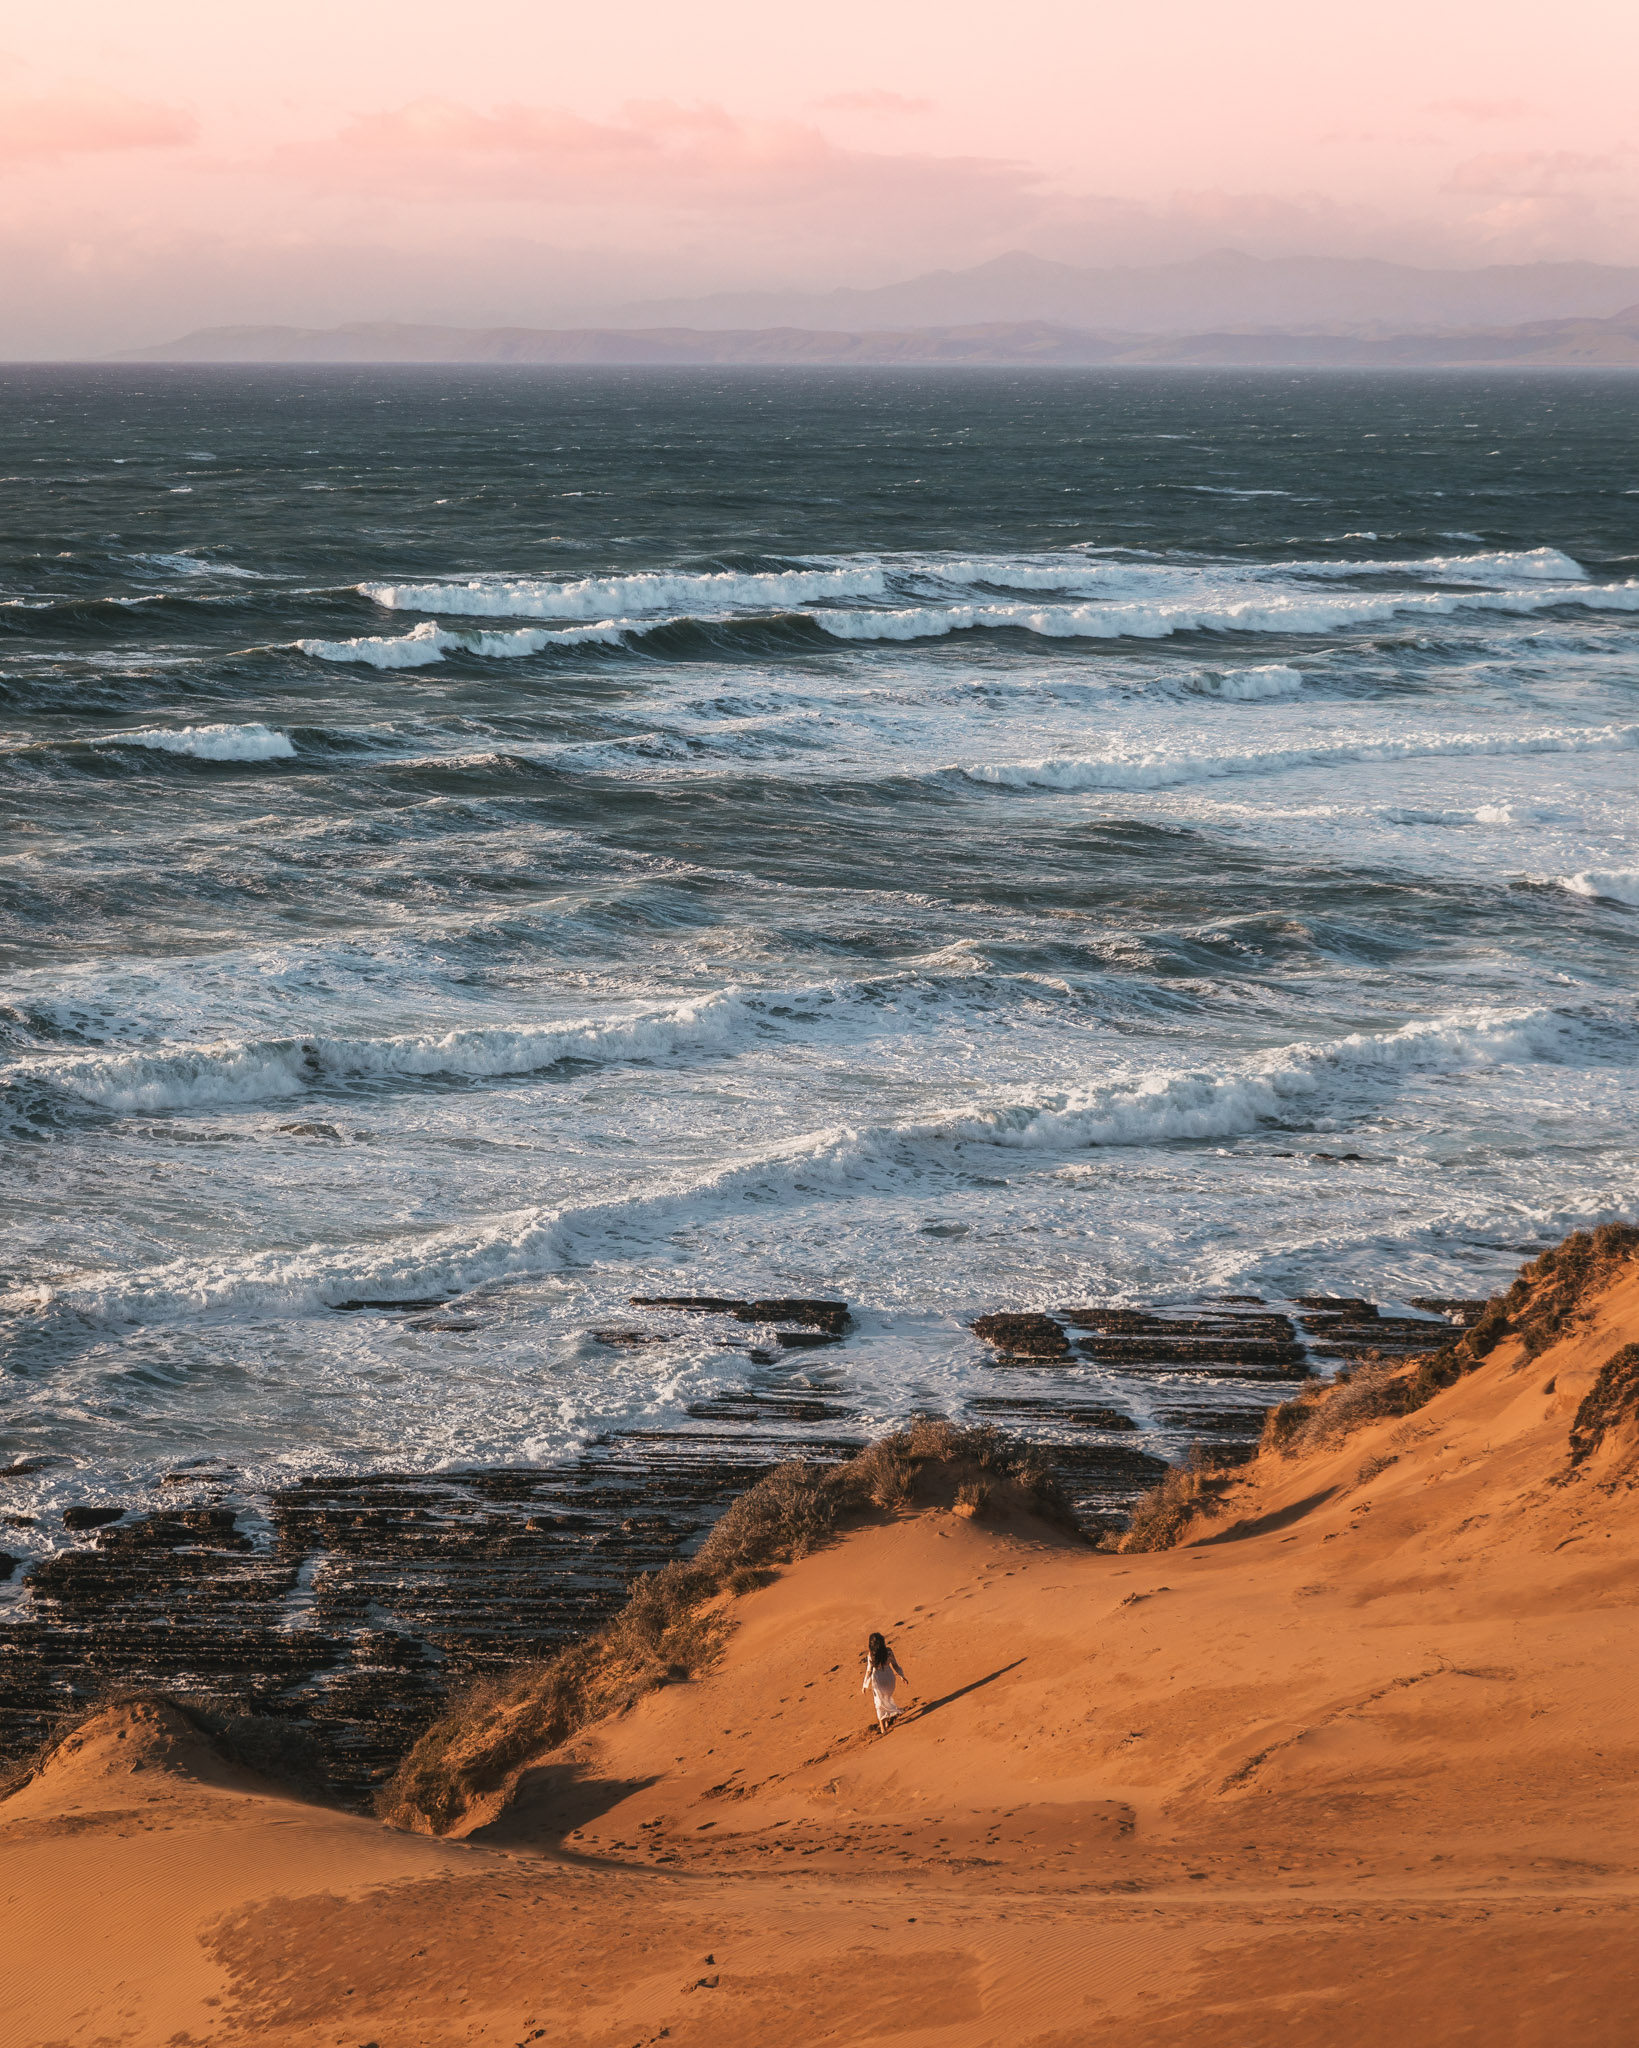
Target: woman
x,y
881,1666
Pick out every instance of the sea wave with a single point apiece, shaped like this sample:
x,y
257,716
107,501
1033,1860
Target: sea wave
x,y
712,593
185,1077
206,742
200,565
1229,610
1616,885
1292,1085
428,643
1249,685
1100,575
923,596
592,597
1166,771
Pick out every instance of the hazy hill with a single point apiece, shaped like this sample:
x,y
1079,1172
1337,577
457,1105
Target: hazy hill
x,y
1208,293
1612,342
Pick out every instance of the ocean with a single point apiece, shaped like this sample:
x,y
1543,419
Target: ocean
x,y
497,842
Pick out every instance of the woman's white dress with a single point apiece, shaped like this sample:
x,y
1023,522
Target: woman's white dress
x,y
878,1682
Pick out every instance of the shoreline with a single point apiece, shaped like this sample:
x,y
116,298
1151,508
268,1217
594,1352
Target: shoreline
x,y
341,1605
1352,1752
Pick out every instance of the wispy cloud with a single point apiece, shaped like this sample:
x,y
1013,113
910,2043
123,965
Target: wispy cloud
x,y
659,167
1530,173
654,152
87,121
1540,202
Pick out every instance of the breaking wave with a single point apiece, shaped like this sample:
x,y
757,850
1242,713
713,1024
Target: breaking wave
x,y
428,643
207,742
1616,885
916,597
593,597
1229,610
241,1071
1250,685
1166,771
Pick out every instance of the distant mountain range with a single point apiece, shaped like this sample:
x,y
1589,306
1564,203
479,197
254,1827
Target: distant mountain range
x,y
1610,342
1212,294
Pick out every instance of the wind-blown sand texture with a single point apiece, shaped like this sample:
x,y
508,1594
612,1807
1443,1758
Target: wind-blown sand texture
x,y
1354,1763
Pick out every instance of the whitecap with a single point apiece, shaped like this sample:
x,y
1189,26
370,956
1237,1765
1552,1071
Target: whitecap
x,y
591,597
1616,885
428,643
1250,685
207,742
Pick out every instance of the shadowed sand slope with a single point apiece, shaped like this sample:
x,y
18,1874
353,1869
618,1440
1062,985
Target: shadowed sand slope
x,y
1354,1762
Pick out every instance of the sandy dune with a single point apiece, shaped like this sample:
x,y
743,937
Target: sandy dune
x,y
1356,1763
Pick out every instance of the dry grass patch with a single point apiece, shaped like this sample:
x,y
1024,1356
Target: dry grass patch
x,y
1166,1511
1612,1400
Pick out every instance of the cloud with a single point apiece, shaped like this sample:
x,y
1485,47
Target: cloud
x,y
1549,202
655,152
1529,173
872,102
659,168
84,121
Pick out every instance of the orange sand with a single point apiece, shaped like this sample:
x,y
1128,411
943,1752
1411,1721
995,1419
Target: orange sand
x,y
1361,1768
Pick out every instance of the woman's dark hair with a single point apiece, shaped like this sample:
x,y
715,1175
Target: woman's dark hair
x,y
878,1652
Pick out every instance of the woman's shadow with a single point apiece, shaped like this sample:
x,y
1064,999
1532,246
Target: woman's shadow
x,y
924,1708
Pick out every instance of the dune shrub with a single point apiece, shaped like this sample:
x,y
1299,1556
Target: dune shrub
x,y
1612,1399
1554,1292
1163,1514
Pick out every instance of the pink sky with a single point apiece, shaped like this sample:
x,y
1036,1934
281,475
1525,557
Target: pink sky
x,y
171,163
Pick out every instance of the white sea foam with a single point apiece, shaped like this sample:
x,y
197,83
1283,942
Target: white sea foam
x,y
1167,771
1618,885
207,742
593,597
1296,1083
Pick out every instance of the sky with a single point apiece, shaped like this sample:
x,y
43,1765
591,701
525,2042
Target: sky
x,y
168,164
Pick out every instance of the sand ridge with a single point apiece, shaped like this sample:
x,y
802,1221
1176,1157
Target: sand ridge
x,y
1357,1760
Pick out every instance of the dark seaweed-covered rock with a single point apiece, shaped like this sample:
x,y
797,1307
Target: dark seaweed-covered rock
x,y
90,1518
1023,1336
829,1316
1463,1309
705,1304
